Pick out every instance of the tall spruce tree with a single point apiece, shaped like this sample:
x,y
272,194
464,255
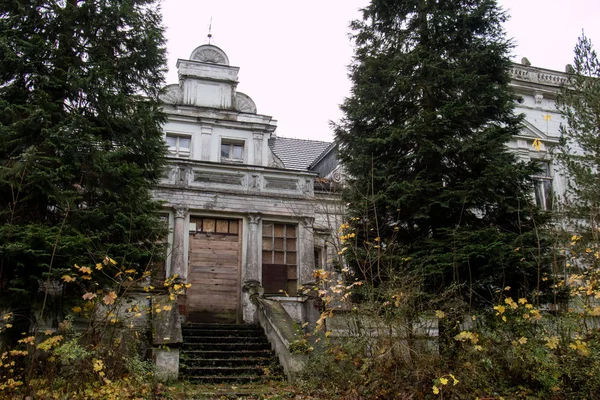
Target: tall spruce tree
x,y
579,150
424,143
80,136
579,144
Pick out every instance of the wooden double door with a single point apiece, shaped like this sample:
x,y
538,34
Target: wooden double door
x,y
214,270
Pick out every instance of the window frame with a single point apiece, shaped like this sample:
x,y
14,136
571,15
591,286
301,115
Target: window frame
x,y
231,143
176,151
542,193
280,247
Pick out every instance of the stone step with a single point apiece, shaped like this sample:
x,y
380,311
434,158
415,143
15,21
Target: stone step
x,y
216,354
224,371
225,339
229,327
223,332
225,346
234,361
221,354
241,379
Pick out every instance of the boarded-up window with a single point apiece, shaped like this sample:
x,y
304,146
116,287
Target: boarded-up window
x,y
213,225
279,258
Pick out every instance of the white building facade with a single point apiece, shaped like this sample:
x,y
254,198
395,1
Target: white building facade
x,y
242,209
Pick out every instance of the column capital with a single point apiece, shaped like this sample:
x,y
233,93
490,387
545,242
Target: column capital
x,y
181,211
308,222
254,218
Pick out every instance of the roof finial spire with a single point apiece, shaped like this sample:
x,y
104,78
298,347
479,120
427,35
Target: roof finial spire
x,y
210,31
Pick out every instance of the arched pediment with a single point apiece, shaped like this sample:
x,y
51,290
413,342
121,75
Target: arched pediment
x,y
244,103
209,54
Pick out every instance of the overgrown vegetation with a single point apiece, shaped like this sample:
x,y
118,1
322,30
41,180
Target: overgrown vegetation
x,y
81,141
456,287
80,149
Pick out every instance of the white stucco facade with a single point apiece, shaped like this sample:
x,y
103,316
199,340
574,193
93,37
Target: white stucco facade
x,y
220,168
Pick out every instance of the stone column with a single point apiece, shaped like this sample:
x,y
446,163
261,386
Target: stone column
x,y
253,268
252,273
178,265
306,249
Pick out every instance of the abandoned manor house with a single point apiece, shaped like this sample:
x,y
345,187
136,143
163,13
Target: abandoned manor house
x,y
251,214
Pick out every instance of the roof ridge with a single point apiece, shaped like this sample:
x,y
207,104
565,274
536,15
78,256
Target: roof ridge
x,y
304,140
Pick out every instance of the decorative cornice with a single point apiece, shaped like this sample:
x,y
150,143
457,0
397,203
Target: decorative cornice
x,y
541,76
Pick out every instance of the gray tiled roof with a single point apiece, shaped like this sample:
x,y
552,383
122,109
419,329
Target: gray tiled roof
x,y
297,153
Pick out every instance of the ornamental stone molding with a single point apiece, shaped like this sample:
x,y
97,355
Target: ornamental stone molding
x,y
307,222
181,211
209,54
172,94
537,75
337,175
244,103
254,218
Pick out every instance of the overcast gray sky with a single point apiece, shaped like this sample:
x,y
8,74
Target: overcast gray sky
x,y
293,55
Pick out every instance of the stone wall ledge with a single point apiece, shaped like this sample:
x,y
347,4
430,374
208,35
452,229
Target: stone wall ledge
x,y
281,331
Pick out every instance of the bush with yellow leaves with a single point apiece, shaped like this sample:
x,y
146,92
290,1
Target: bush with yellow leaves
x,y
97,351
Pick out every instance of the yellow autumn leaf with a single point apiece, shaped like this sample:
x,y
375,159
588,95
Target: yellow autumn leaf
x,y
109,298
98,364
89,296
436,390
522,340
444,381
454,380
76,309
499,309
98,266
440,314
327,334
85,270
552,342
68,278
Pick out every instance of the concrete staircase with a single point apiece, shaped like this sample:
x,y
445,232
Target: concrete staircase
x,y
227,353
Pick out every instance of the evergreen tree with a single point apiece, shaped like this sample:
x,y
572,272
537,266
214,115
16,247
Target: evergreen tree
x,y
578,155
80,136
424,141
579,148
